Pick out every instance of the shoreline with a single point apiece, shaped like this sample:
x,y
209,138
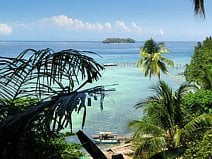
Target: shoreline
x,y
124,149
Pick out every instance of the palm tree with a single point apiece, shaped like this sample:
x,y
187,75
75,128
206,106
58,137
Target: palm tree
x,y
163,126
55,80
206,81
152,61
199,7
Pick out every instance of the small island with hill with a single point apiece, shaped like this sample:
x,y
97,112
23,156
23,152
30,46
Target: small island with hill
x,y
118,40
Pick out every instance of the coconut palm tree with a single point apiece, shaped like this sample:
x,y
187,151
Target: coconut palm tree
x,y
152,62
163,126
55,80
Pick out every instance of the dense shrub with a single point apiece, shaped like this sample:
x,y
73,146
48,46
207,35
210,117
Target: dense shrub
x,y
200,66
200,149
198,103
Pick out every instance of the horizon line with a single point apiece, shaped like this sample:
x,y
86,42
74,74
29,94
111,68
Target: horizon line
x,y
91,40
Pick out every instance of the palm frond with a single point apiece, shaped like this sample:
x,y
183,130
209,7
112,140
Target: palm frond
x,y
149,146
151,61
199,7
162,67
45,72
166,60
184,89
57,79
143,129
201,123
162,49
207,79
169,154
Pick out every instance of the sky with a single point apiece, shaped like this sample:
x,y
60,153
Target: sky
x,y
95,20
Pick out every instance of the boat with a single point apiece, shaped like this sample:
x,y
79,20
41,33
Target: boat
x,y
105,138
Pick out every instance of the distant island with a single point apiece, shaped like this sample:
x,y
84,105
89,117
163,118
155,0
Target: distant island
x,y
119,40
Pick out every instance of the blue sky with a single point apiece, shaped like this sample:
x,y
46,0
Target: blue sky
x,y
164,20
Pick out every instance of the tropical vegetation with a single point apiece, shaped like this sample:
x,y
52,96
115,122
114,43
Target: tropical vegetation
x,y
40,89
200,69
200,149
119,40
39,92
177,123
165,124
152,62
199,102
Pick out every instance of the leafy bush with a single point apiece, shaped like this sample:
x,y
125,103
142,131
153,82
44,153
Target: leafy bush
x,y
35,145
198,103
65,150
200,149
200,66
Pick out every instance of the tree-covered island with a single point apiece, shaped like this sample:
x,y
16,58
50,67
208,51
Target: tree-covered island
x,y
119,40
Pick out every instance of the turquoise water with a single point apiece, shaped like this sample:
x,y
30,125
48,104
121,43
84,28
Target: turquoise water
x,y
131,87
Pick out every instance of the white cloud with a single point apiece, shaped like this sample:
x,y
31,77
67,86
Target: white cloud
x,y
137,27
108,25
161,32
119,26
53,25
18,24
5,29
71,23
122,25
63,20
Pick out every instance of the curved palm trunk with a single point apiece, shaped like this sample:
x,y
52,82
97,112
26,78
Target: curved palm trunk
x,y
90,147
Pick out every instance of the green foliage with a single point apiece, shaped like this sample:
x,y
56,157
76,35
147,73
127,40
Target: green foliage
x,y
148,146
198,103
54,147
200,149
23,103
170,154
18,105
66,150
195,128
152,62
118,40
200,67
37,146
165,119
39,90
150,46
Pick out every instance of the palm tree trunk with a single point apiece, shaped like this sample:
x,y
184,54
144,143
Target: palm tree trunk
x,y
90,147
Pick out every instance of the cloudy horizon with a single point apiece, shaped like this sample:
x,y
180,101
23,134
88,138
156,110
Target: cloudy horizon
x,y
82,25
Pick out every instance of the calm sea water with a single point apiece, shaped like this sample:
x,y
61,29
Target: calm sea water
x,y
132,85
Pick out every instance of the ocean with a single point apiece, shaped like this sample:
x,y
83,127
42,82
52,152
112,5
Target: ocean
x,y
131,85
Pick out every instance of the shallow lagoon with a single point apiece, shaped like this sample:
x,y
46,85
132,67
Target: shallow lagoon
x,y
131,87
